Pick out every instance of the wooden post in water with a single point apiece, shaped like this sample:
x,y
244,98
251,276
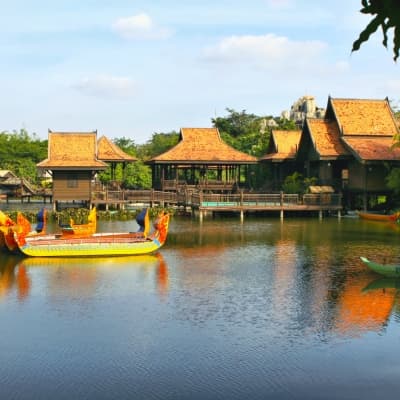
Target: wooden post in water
x,y
320,214
281,214
241,216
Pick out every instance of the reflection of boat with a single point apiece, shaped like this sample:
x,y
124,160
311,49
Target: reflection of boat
x,y
98,244
383,283
87,262
23,227
389,270
12,275
74,275
379,217
81,229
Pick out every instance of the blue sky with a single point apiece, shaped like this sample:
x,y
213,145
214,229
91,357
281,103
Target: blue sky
x,y
132,68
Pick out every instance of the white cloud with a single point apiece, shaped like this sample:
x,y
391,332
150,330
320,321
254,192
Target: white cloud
x,y
107,86
139,26
268,51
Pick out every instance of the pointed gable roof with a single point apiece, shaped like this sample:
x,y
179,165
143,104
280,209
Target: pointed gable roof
x,y
201,146
364,117
367,128
72,150
325,138
109,151
283,145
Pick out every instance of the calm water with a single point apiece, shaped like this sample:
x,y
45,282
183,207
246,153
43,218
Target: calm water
x,y
262,310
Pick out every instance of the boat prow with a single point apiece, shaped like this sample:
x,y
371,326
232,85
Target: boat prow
x,y
388,270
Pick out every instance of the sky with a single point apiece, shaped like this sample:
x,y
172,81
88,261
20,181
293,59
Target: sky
x,y
131,68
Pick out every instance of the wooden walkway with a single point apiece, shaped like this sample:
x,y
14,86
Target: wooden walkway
x,y
239,203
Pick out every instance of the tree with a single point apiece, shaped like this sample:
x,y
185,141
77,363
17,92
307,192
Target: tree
x,y
387,16
158,144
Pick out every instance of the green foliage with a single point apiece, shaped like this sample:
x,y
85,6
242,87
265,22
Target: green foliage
x,y
20,152
158,144
393,180
237,123
137,176
386,16
249,133
296,183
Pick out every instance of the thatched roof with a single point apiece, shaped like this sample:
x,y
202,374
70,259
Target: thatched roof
x,y
72,150
364,117
325,138
372,148
109,151
283,146
202,146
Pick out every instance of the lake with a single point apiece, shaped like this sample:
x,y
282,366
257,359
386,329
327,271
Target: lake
x,y
260,310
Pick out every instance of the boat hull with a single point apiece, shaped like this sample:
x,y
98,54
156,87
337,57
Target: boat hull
x,y
388,270
378,217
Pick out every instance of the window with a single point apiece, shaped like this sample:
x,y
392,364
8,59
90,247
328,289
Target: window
x,y
72,181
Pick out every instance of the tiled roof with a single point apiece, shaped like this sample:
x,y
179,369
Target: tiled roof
x,y
203,145
109,151
364,117
283,145
5,173
76,150
325,136
372,148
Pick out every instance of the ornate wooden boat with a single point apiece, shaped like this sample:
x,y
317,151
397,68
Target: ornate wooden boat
x,y
97,244
388,270
23,227
81,229
379,217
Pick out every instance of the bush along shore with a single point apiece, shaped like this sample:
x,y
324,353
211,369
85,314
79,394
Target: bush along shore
x,y
80,215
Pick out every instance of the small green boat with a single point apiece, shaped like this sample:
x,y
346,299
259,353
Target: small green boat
x,y
389,270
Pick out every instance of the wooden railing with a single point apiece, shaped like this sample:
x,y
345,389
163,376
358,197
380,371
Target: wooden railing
x,y
200,199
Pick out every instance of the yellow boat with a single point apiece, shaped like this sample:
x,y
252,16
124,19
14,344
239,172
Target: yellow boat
x,y
82,229
97,244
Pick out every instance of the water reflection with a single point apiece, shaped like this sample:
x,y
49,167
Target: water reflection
x,y
312,279
74,276
13,277
263,309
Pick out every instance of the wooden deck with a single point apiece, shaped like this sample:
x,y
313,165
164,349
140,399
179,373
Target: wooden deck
x,y
208,202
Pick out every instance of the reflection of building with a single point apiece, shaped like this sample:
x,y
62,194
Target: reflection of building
x,y
360,311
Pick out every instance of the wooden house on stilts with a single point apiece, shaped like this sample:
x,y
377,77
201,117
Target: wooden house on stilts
x,y
201,160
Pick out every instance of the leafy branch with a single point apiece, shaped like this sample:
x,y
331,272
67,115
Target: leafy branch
x,y
387,16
